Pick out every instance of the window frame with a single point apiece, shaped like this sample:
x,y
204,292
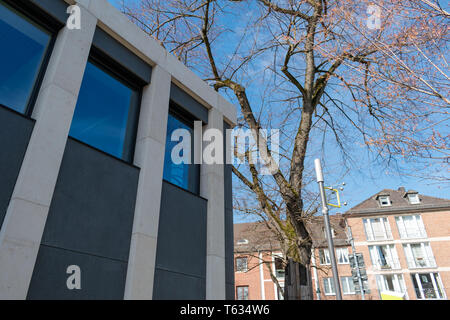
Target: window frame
x,y
116,71
326,255
330,282
246,264
45,22
348,280
345,249
415,196
188,119
388,198
245,288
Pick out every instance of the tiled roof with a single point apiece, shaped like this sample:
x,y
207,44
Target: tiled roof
x,y
260,238
399,202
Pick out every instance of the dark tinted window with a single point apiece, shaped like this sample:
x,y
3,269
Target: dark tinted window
x,y
184,175
106,113
24,47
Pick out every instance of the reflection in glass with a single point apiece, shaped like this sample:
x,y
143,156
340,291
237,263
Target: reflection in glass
x,y
103,112
177,174
24,45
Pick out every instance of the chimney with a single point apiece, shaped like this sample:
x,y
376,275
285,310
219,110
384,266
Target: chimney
x,y
402,189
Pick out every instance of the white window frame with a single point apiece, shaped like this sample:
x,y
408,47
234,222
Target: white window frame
x,y
242,241
391,257
246,264
347,280
370,234
330,285
388,200
414,196
237,292
403,231
326,254
435,281
345,254
398,282
427,252
274,257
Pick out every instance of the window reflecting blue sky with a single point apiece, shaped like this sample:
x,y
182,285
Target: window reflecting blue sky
x,y
20,64
102,111
177,174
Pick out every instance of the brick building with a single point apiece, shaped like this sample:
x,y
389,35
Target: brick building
x,y
404,238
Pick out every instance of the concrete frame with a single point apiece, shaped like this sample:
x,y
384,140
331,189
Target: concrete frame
x,y
22,230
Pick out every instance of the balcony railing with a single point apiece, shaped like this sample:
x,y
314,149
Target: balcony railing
x,y
428,293
414,263
391,264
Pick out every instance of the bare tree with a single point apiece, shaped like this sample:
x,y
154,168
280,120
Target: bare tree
x,y
356,71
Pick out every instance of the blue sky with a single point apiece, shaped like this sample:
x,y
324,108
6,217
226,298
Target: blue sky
x,y
365,178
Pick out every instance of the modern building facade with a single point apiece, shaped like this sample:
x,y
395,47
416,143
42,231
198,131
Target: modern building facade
x,y
87,182
403,236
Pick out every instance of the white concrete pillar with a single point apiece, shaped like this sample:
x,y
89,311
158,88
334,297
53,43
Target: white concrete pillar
x,y
212,188
22,229
149,157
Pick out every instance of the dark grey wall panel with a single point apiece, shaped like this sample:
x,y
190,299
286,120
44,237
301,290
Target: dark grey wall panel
x,y
56,8
181,249
177,286
229,228
15,132
92,209
188,103
91,213
100,278
123,56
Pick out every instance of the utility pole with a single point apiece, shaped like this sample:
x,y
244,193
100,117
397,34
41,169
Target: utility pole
x,y
355,258
326,218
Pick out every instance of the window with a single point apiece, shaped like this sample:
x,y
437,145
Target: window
x,y
279,267
106,113
242,241
391,282
384,257
419,255
242,292
241,264
25,49
428,286
342,255
324,256
385,201
348,286
413,198
410,227
280,295
333,232
184,175
377,229
328,286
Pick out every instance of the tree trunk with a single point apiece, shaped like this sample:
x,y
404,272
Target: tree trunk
x,y
298,282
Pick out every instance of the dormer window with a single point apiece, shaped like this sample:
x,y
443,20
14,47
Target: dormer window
x,y
333,232
385,201
413,198
242,241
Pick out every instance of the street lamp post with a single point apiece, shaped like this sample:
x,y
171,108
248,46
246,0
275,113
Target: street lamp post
x,y
326,219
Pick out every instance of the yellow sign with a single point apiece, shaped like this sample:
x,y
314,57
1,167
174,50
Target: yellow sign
x,y
338,205
391,295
